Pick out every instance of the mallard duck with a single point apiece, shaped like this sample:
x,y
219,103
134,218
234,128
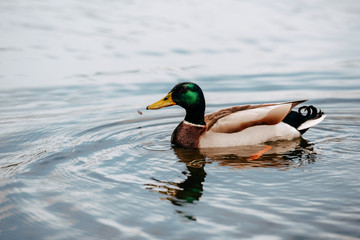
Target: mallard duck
x,y
235,126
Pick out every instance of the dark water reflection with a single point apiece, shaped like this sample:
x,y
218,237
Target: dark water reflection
x,y
282,155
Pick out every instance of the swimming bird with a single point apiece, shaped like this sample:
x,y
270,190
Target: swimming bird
x,y
235,126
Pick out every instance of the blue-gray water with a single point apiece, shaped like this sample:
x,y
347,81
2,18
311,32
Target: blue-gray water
x,y
81,158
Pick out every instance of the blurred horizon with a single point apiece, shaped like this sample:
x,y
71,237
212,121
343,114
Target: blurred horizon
x,y
76,42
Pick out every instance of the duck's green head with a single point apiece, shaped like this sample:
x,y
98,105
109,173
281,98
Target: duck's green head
x,y
187,95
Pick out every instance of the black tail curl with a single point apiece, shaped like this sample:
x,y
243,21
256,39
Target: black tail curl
x,y
303,114
310,112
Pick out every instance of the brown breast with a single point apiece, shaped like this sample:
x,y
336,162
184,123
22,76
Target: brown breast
x,y
187,135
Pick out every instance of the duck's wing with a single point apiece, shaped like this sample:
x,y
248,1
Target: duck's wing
x,y
235,119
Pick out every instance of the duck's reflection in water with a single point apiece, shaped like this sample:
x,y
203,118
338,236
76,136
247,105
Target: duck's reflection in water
x,y
281,155
186,191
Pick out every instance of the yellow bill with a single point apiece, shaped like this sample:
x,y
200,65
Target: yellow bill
x,y
165,102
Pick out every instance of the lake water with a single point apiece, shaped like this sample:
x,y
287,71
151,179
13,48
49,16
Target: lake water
x,y
81,158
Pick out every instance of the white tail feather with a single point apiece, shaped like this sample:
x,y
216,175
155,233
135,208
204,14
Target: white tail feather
x,y
310,123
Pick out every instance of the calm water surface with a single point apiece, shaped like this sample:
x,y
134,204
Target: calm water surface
x,y
81,158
